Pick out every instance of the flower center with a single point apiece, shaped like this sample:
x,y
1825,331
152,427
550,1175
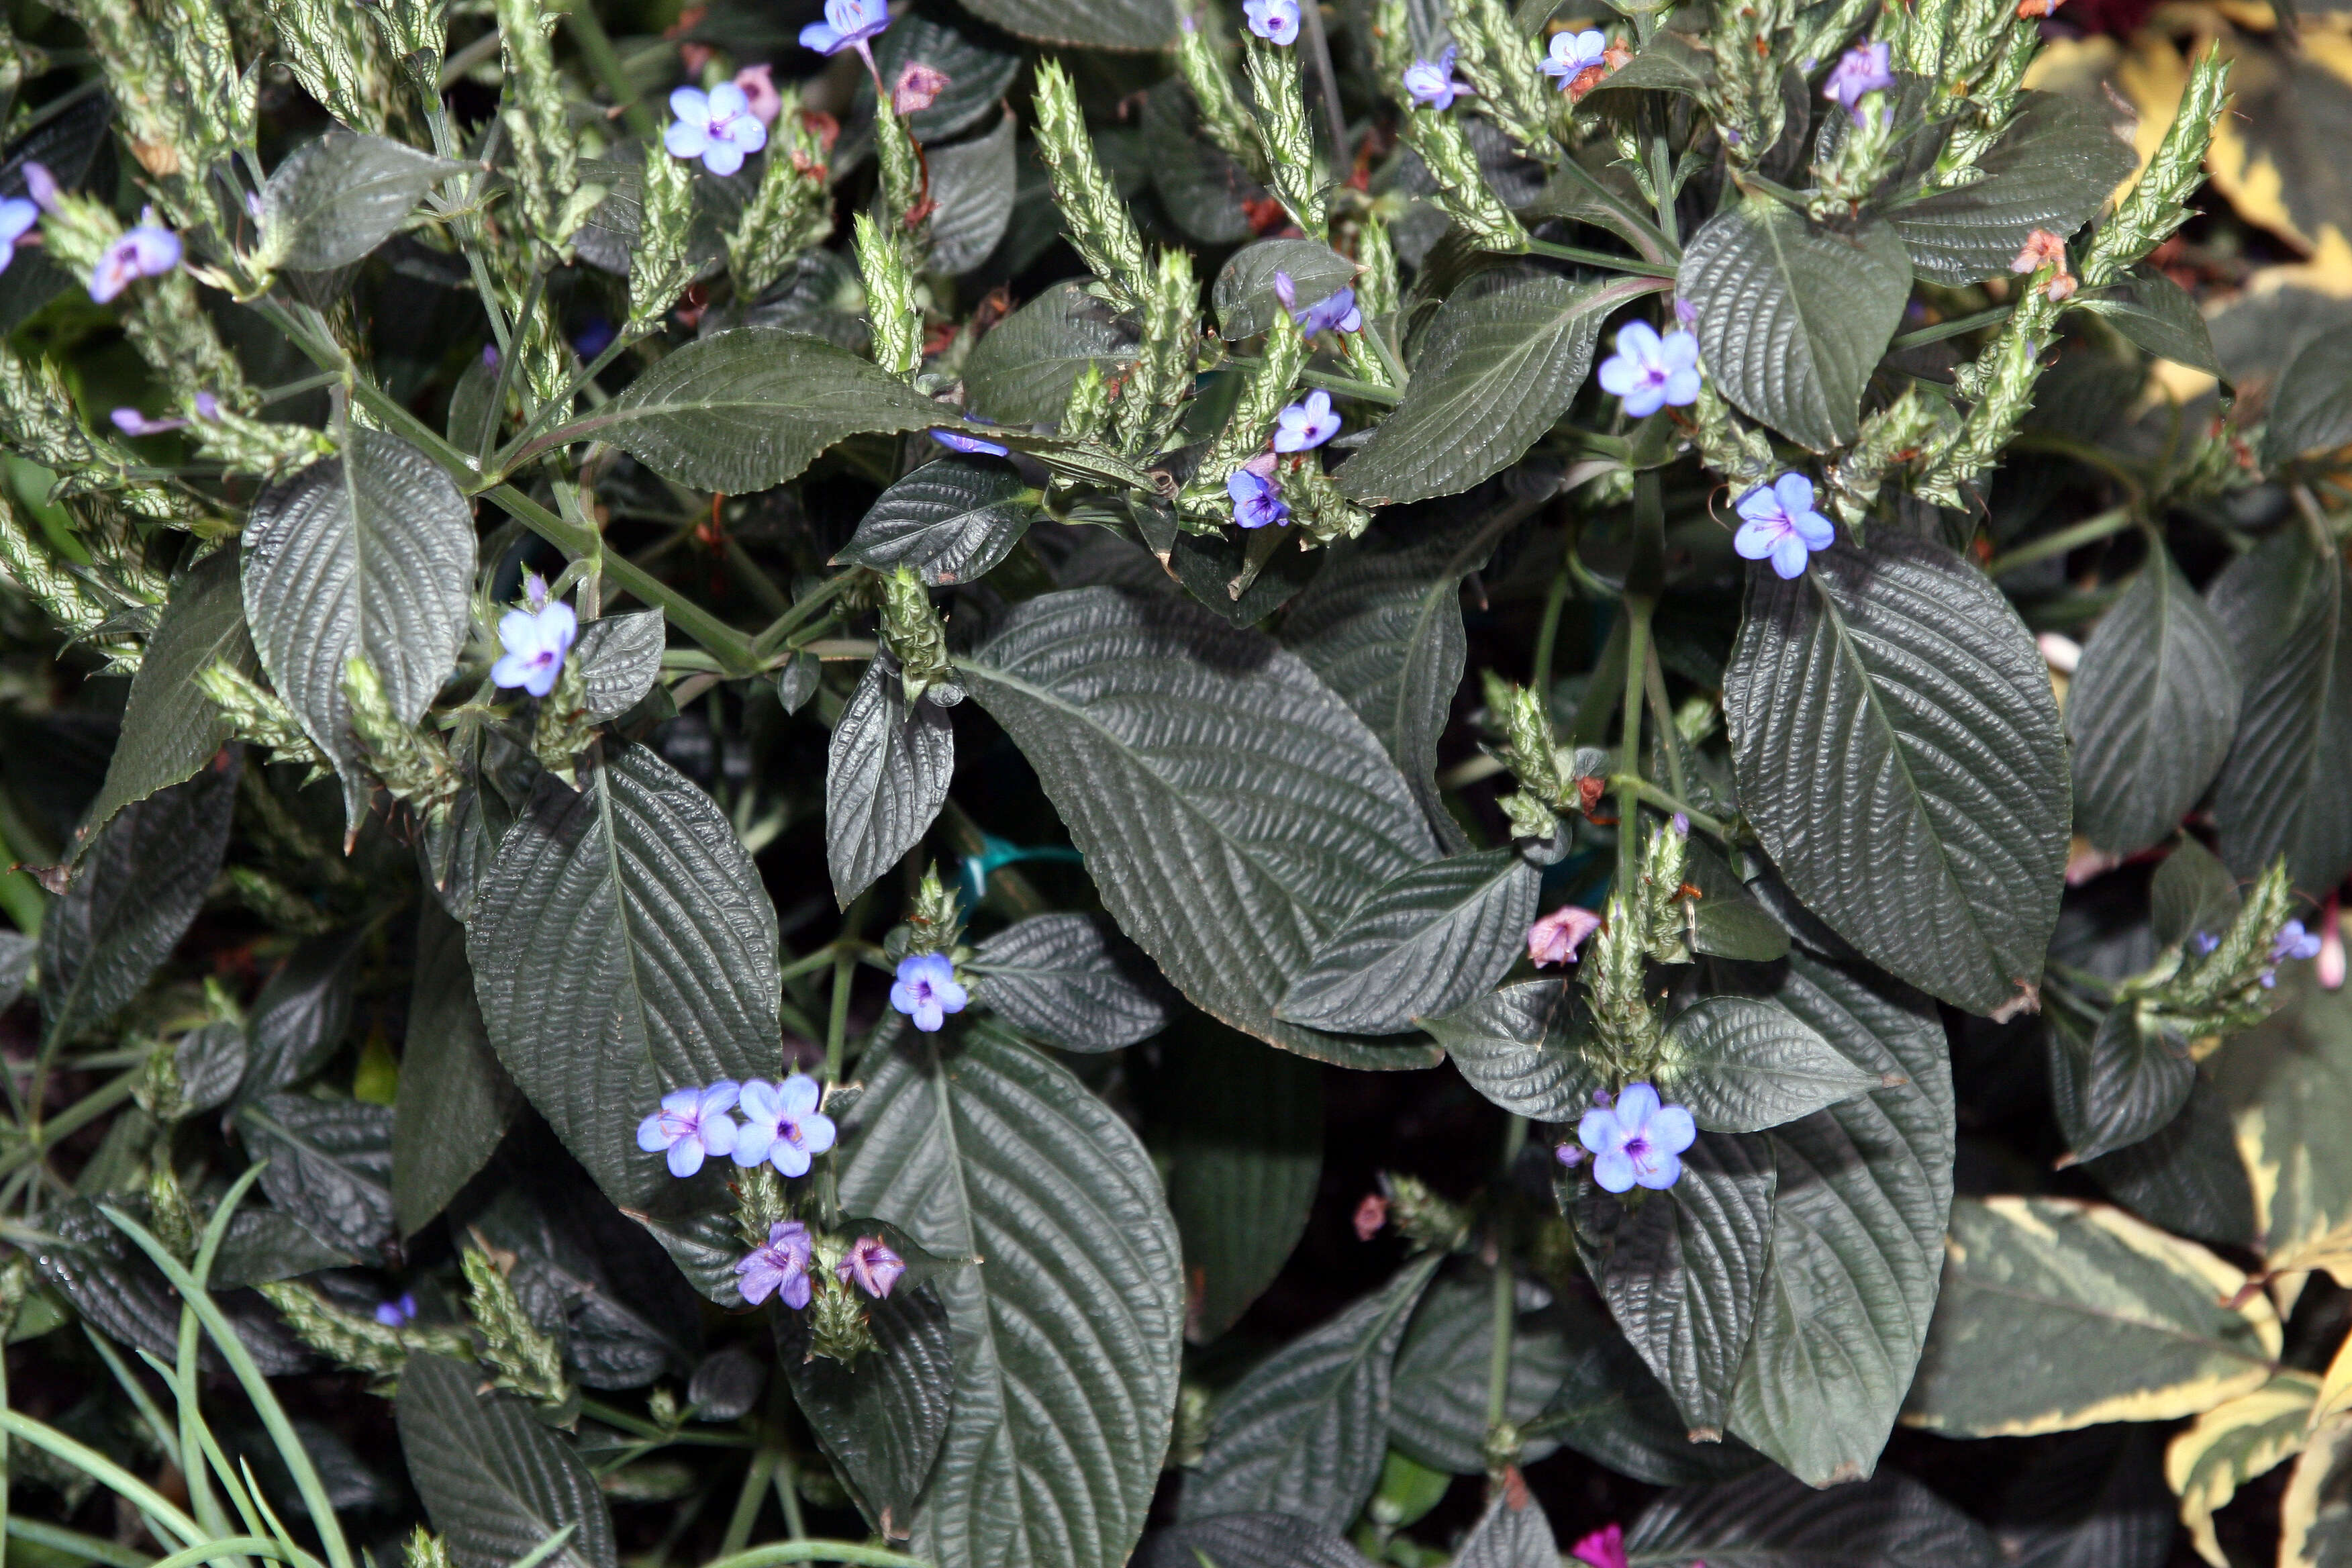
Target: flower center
x,y
788,1130
1637,1149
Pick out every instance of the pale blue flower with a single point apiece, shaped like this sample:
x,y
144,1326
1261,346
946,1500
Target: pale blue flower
x,y
1573,54
1306,425
781,1125
1637,1142
779,1266
1650,371
1257,502
1781,525
691,1124
847,25
927,990
1276,21
716,127
1430,83
536,643
149,250
17,216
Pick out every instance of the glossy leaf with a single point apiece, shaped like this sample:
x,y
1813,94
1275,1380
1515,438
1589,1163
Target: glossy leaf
x,y
2098,1501
1248,1540
972,183
1437,1393
2311,406
2118,1083
2053,169
1422,944
1022,371
2233,1444
1794,318
2157,315
455,1101
1229,878
2186,1177
330,1164
1069,981
1726,920
1611,1409
2295,727
1897,747
1742,1066
1514,1534
620,658
880,1419
2288,1085
335,199
1512,1045
885,777
1771,1521
495,1481
1244,295
1087,24
303,1013
978,73
952,519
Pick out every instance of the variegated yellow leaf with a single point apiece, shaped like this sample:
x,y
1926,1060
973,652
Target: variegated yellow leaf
x,y
2316,1514
2231,1444
2288,1083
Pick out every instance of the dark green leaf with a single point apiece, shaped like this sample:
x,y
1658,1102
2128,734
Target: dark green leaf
x,y
2191,892
330,1164
1514,1534
952,519
746,410
495,1481
368,554
264,1244
1611,1409
886,778
120,1292
1248,1540
1022,372
2151,710
1211,564
1244,294
133,895
972,182
1742,1066
2098,1501
1726,920
2311,406
620,658
2188,1177
337,198
1087,24
1858,1234
1229,878
1682,1272
1889,710
1303,1432
1069,1319
1496,368
169,729
1422,944
880,1419
210,1062
623,947
455,1103
978,74
1512,1045
1202,186
2117,1084
1069,981
1792,318
301,1015
1769,1520
1246,1155
17,952
2157,314
1438,1395
2053,169
797,681
2294,732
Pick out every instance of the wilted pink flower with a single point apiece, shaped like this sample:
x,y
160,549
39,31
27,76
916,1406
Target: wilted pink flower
x,y
1554,937
1371,1214
2041,249
758,86
872,1265
918,88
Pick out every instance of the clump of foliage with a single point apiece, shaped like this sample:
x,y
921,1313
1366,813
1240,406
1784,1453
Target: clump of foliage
x,y
723,768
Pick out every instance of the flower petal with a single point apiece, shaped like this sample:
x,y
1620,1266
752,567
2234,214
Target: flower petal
x,y
789,1158
1640,340
1635,1107
1672,1128
1796,493
818,1133
1598,1129
686,1156
821,37
1658,1172
1788,556
651,1136
1613,1170
691,105
1757,537
722,158
1815,530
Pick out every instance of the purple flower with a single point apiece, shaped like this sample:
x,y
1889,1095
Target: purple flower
x,y
1554,937
146,251
595,335
716,127
1276,21
130,422
16,215
927,990
536,642
1650,371
1339,310
2202,942
1783,525
779,1267
1430,83
1860,70
873,1266
1573,54
918,88
41,185
1304,426
972,444
207,406
691,1123
781,1124
1636,1140
397,1313
1686,312
2294,942
847,25
1257,500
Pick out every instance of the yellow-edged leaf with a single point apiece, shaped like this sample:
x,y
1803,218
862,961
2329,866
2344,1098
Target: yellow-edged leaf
x,y
2232,1444
2316,1514
2335,1387
2288,1084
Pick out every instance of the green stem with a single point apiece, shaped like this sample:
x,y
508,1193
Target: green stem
x,y
1547,630
1952,329
507,364
2063,542
788,1498
1654,681
158,1508
89,1548
1615,263
777,1551
1713,826
765,645
20,896
595,46
747,1502
40,1136
556,407
1638,610
1346,385
837,1026
1498,1359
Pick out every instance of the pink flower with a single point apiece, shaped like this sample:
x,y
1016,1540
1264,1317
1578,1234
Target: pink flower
x,y
758,86
1371,1214
1603,1548
872,1265
918,88
1554,937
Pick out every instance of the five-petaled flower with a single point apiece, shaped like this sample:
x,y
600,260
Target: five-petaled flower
x,y
1276,21
1554,937
957,442
17,216
779,1266
1573,54
1860,71
716,127
398,1312
1306,425
1258,502
1781,525
781,1124
1430,83
1636,1141
536,642
918,88
691,1124
149,250
927,990
1336,311
847,25
873,1266
1650,371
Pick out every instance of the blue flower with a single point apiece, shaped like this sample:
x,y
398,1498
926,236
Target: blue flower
x,y
1430,83
1276,21
1860,70
16,215
716,127
691,1123
779,1266
1336,311
1783,525
956,442
397,1313
536,643
1636,1141
1650,371
847,25
927,990
781,1124
1573,54
1256,499
2294,942
2203,941
149,250
1304,426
